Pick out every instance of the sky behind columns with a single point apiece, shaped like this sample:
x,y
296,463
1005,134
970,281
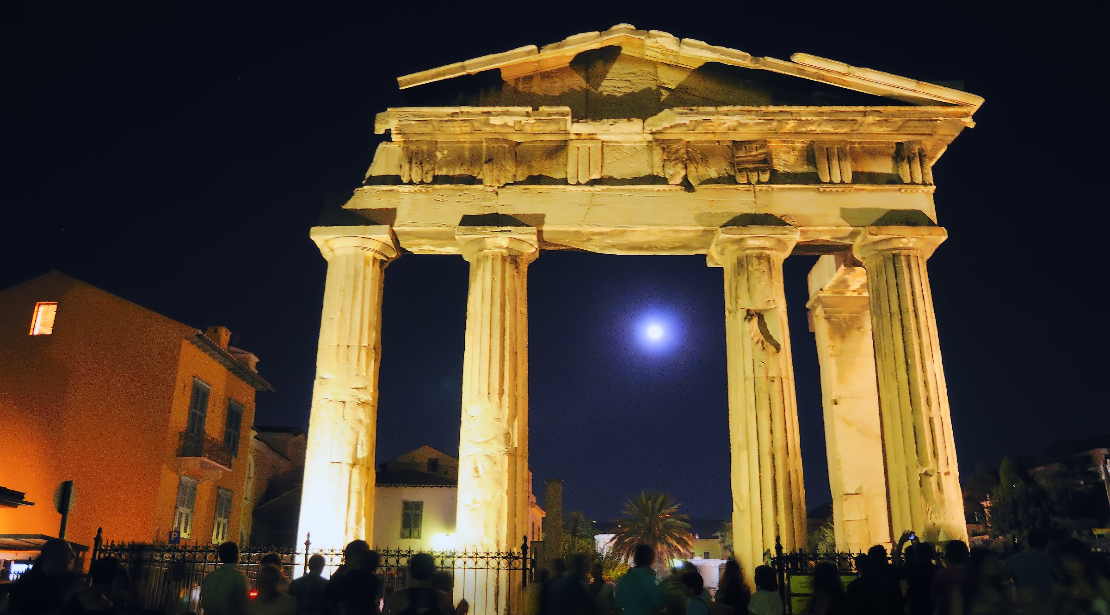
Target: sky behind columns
x,y
177,155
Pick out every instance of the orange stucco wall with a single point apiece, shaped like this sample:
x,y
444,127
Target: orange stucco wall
x,y
101,402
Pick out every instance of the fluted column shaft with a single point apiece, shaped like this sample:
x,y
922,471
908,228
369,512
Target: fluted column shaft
x,y
923,482
767,490
493,440
337,501
841,323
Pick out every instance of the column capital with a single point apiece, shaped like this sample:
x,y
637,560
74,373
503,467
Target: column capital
x,y
513,241
777,241
872,241
339,240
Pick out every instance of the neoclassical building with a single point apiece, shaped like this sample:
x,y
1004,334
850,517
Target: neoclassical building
x,y
637,142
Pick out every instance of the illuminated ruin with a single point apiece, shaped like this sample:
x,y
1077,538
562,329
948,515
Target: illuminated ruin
x,y
636,142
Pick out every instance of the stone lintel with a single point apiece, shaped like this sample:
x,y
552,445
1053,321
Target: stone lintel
x,y
635,219
378,240
871,241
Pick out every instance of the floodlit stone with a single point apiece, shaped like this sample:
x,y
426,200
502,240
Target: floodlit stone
x,y
337,502
637,142
493,440
768,493
841,322
922,474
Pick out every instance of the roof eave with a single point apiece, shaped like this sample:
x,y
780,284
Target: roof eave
x,y
234,366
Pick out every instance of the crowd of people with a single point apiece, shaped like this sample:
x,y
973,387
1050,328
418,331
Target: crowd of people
x,y
1066,580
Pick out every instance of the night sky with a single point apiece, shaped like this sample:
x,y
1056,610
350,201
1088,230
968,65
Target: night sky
x,y
177,156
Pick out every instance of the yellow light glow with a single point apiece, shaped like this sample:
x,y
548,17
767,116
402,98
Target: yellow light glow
x,y
443,542
42,323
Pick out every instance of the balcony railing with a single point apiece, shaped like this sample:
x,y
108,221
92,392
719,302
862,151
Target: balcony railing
x,y
204,446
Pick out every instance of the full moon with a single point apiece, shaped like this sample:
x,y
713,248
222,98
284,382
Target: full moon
x,y
655,332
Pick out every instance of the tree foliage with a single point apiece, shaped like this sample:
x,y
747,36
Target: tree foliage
x,y
578,536
1017,505
652,518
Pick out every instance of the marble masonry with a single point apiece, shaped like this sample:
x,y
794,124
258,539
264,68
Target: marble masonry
x,y
637,142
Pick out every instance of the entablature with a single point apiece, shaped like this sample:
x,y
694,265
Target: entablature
x,y
685,146
660,219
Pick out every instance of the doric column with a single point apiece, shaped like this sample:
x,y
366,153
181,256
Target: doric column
x,y
841,322
767,492
493,440
923,482
337,501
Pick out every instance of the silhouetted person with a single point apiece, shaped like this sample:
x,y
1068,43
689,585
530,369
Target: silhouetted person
x,y
46,587
421,598
918,573
601,591
352,558
765,600
271,599
828,596
695,592
444,582
308,590
272,558
871,594
949,582
732,590
224,590
1081,588
534,594
1031,573
97,598
573,597
884,568
551,586
985,593
357,591
637,593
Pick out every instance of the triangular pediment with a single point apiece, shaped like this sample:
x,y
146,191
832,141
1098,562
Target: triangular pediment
x,y
625,72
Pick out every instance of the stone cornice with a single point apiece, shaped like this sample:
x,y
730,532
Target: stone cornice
x,y
553,123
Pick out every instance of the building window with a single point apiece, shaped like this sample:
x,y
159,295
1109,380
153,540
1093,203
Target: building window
x,y
234,426
412,518
186,499
42,321
198,409
223,515
705,555
433,465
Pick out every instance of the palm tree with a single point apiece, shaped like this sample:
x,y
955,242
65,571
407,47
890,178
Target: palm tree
x,y
652,518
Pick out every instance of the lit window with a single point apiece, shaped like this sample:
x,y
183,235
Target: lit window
x,y
42,323
223,515
186,499
412,518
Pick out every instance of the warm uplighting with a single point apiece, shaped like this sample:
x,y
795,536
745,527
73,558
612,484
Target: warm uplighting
x,y
443,542
42,323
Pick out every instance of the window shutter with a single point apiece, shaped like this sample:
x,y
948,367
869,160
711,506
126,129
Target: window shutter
x,y
234,426
198,408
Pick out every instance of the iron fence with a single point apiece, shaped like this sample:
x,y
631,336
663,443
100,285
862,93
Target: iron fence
x,y
167,578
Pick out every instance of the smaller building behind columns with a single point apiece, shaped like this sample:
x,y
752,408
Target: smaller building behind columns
x,y
840,319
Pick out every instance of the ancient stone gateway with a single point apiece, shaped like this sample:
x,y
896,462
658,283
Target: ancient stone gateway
x,y
636,142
